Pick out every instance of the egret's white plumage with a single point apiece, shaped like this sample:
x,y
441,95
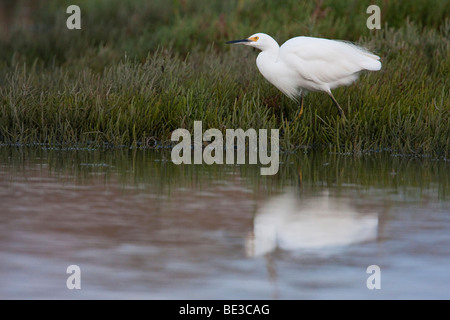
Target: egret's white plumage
x,y
310,64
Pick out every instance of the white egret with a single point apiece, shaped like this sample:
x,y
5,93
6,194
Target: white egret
x,y
304,64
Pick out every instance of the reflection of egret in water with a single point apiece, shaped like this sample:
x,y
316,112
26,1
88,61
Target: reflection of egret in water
x,y
317,224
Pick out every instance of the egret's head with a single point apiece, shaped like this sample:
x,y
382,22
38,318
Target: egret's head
x,y
260,41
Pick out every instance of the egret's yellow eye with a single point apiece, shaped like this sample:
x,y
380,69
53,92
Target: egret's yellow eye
x,y
254,39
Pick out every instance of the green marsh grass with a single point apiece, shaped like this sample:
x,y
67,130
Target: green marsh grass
x,y
139,70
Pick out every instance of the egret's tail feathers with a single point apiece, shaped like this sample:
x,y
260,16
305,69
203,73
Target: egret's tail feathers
x,y
371,64
371,61
368,60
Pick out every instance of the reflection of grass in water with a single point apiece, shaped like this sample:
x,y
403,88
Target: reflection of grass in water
x,y
314,171
76,87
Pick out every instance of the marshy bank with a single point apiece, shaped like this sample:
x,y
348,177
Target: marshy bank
x,y
137,71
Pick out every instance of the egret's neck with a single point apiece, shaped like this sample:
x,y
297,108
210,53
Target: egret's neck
x,y
271,48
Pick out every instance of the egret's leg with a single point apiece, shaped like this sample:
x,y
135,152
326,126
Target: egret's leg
x,y
301,106
300,177
341,112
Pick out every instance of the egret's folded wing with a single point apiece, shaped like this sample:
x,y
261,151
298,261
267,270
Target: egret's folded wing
x,y
326,61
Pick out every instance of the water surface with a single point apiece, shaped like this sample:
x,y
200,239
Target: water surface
x,y
139,226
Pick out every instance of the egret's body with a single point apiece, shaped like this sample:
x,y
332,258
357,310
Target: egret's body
x,y
310,64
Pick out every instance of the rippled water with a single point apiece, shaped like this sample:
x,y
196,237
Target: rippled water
x,y
141,227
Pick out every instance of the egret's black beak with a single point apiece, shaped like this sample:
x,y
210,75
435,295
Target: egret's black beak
x,y
238,41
